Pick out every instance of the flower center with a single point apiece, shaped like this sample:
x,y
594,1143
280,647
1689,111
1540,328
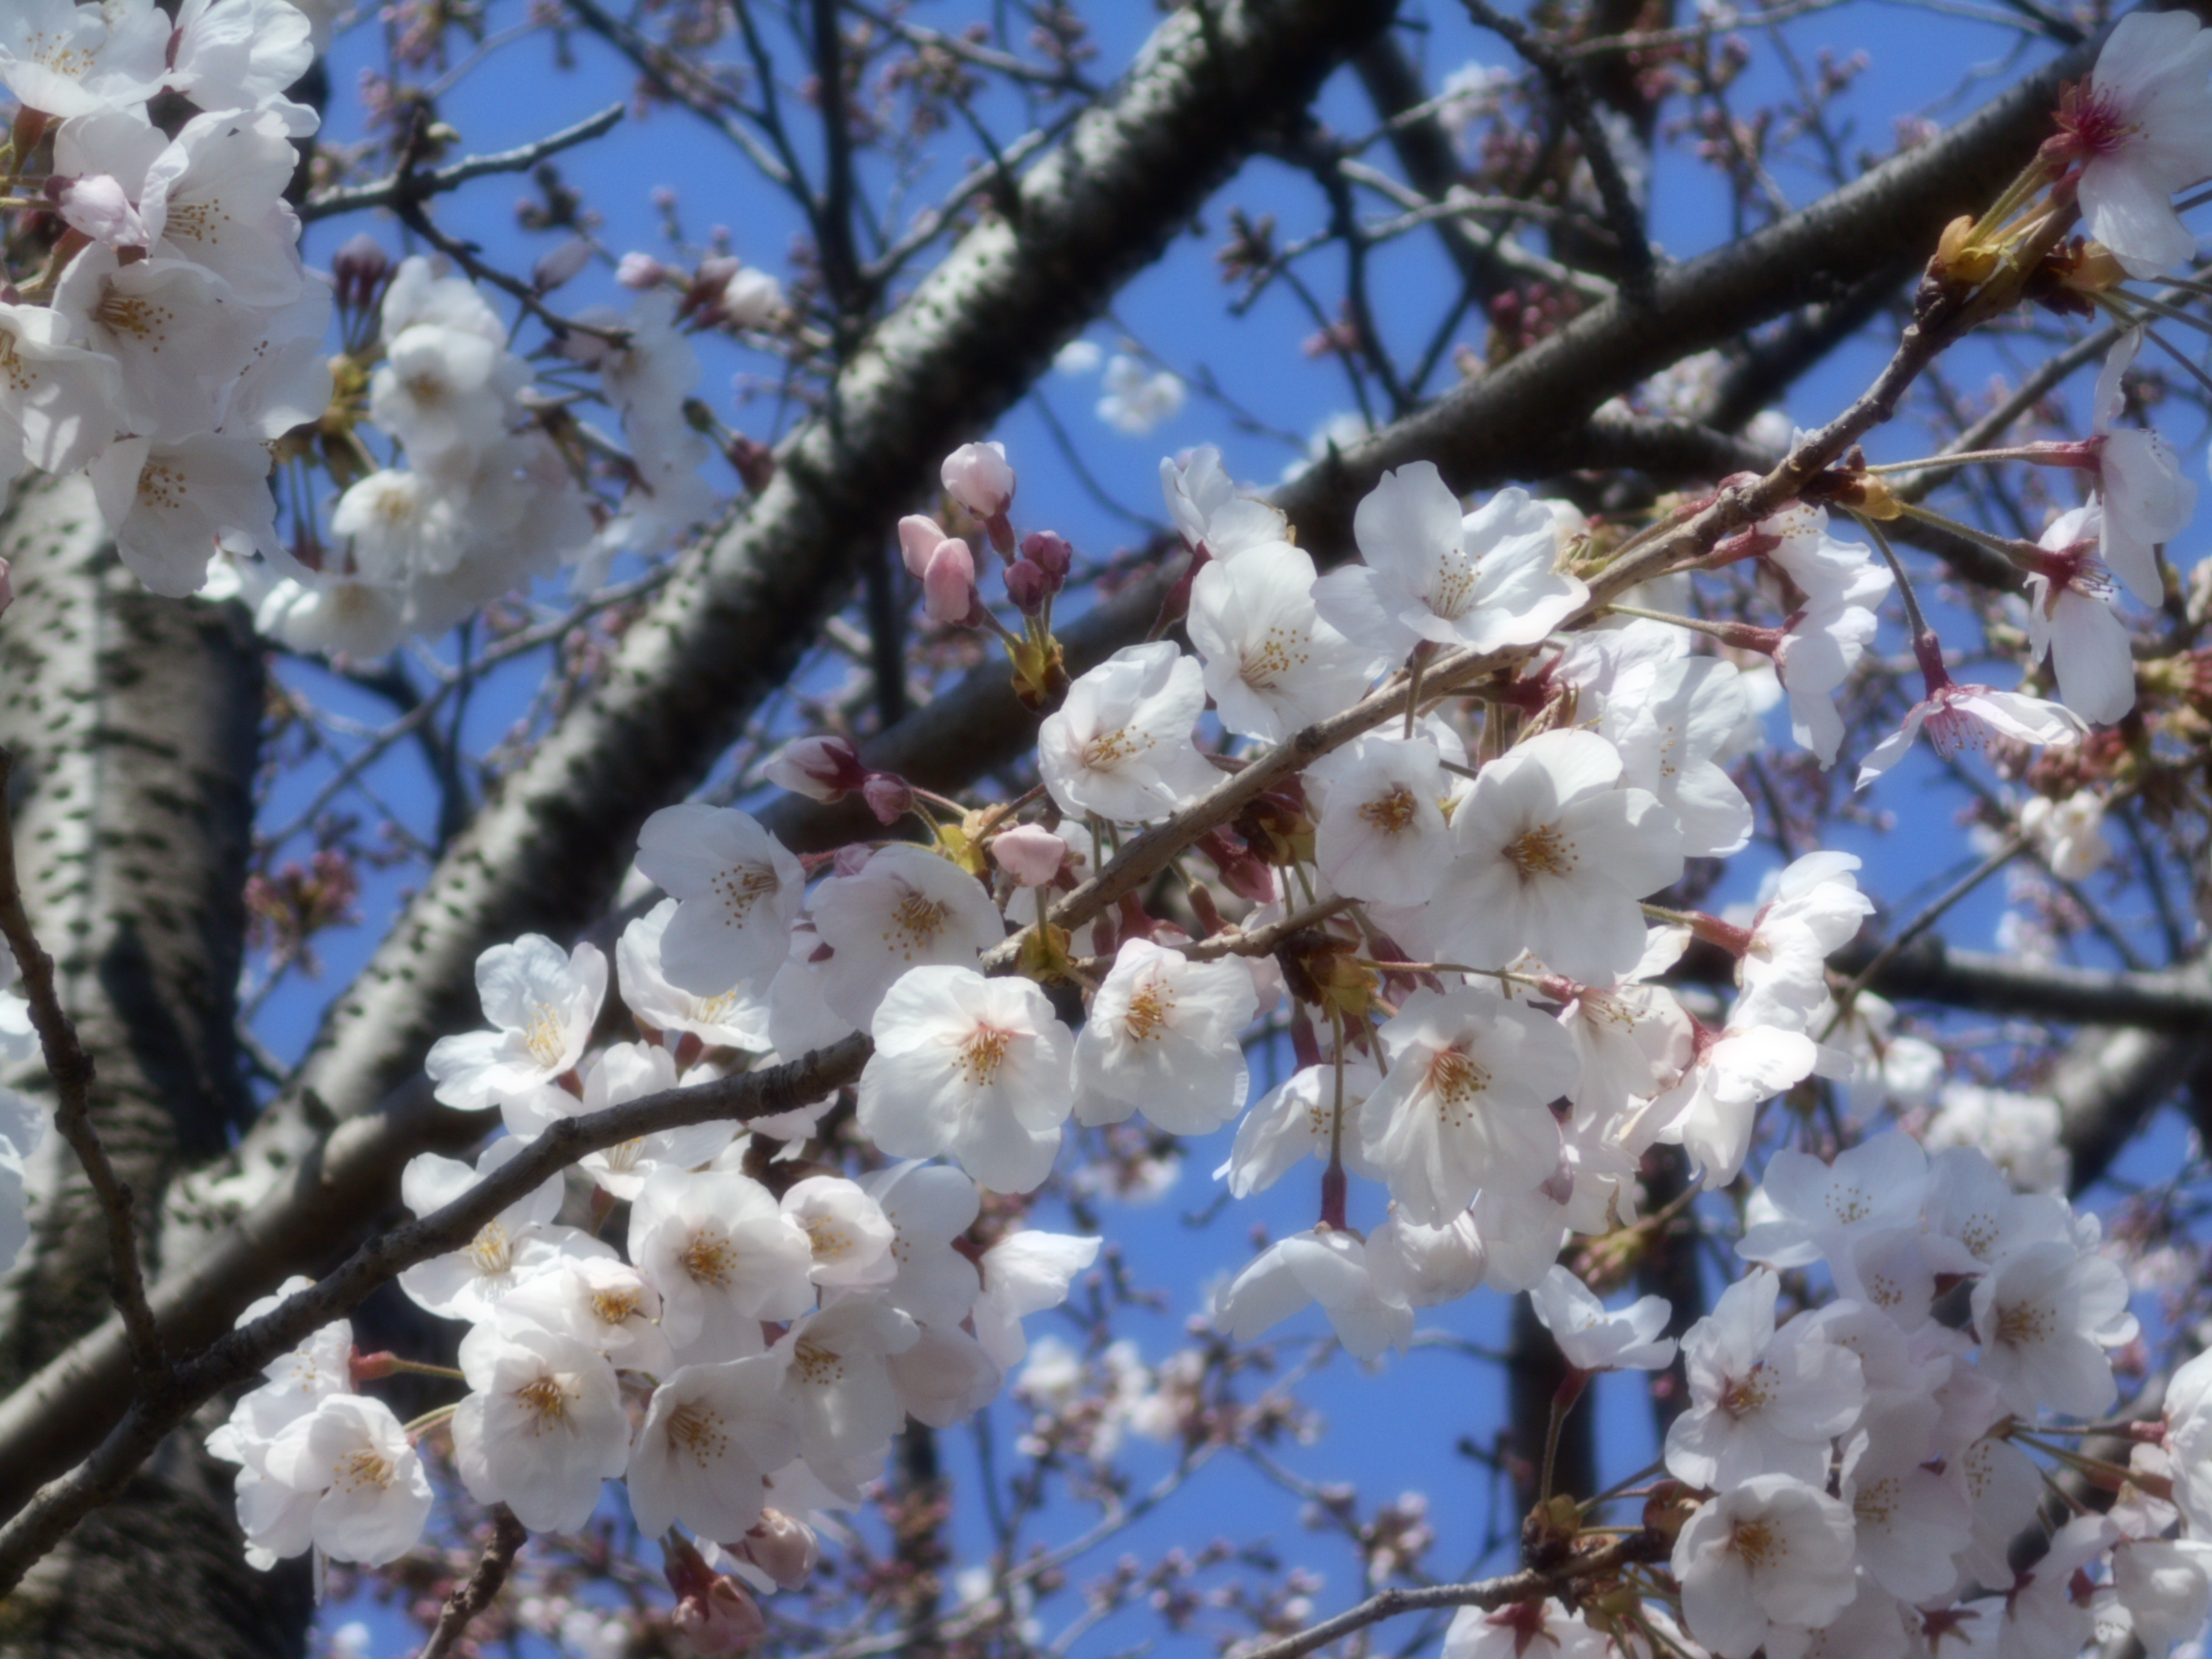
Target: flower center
x,y
1148,1012
2021,1324
136,315
710,1258
491,1249
1748,1393
982,1055
543,1036
1110,748
1458,1082
1454,586
364,1468
1391,813
1541,851
832,1241
915,923
1269,658
161,487
1758,1543
615,1307
816,1366
743,888
695,1429
546,1402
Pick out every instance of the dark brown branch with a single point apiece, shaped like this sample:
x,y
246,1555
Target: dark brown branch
x,y
71,1069
477,1592
385,191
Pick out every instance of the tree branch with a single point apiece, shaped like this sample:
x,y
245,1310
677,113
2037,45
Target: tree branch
x,y
415,186
482,1587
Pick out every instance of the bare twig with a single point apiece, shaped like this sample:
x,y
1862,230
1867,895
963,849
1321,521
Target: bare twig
x,y
473,1596
408,206
1638,266
72,1072
384,191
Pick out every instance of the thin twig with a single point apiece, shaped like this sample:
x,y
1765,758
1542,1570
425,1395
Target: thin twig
x,y
409,207
472,1597
384,191
71,1069
1638,265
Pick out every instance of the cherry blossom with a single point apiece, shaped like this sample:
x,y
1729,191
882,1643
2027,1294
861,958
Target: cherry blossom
x,y
64,403
1121,744
65,59
1271,665
1669,720
542,1005
712,1435
724,1256
976,1067
372,1497
1296,1119
1381,834
2070,620
1484,580
2147,500
1550,856
1518,1626
837,1382
928,1205
1163,1037
1764,1565
850,1236
905,908
735,1018
2046,1317
737,891
169,505
2140,128
517,1244
1762,1401
1712,1109
1025,1272
1594,1339
1466,1101
1425,1266
541,1427
1322,1265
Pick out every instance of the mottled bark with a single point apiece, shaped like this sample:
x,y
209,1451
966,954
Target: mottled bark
x,y
134,723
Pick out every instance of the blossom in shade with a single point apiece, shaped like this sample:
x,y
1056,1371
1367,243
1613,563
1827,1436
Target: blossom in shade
x,y
171,504
1764,1565
928,1205
1762,1401
2046,1317
1425,1266
905,908
64,403
518,1242
836,1381
373,1499
973,1068
1519,1628
850,1234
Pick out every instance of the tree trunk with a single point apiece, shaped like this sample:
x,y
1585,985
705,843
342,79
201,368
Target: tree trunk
x,y
134,721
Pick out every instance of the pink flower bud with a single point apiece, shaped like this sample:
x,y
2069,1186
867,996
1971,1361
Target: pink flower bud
x,y
1030,852
782,1547
948,584
721,1619
1029,588
1048,552
358,270
918,539
822,769
888,795
97,205
560,264
977,477
641,270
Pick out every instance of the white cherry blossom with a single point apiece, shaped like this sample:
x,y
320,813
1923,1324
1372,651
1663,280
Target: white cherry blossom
x,y
606,1305
1669,720
711,1436
1765,1565
1381,834
734,1018
1271,665
2141,128
541,1426
1762,1401
373,1498
1484,580
1593,1339
724,1256
1550,856
1425,1266
170,329
974,1067
1963,716
1818,650
1025,1272
1119,745
542,1003
1908,1520
214,198
2046,1317
515,1246
850,1236
1806,1208
2145,497
2070,620
837,1382
65,59
244,54
1515,1629
169,505
737,891
1466,1101
62,403
928,1205
905,908
1296,1120
1322,1265
1163,1037
1712,1109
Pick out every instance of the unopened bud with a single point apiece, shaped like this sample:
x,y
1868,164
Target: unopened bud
x,y
918,539
98,206
948,584
1050,553
559,265
641,270
889,796
358,270
977,477
822,768
755,461
1030,852
1029,588
782,1547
